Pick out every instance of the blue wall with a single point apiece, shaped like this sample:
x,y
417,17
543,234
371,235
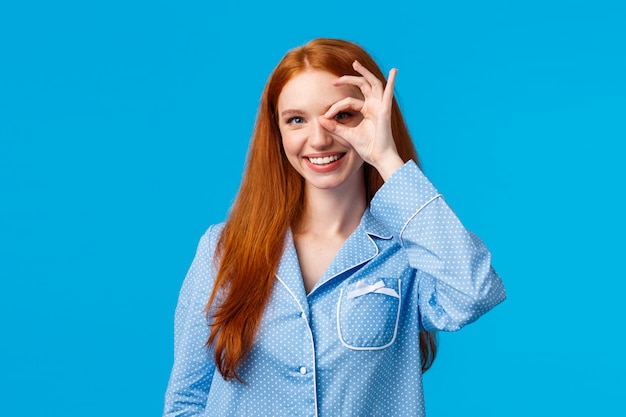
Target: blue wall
x,y
123,133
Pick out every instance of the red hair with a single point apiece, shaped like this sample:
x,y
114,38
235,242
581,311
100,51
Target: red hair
x,y
269,202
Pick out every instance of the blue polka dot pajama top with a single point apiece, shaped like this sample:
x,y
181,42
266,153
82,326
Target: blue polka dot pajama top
x,y
351,346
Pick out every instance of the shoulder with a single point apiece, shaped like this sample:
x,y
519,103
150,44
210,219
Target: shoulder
x,y
205,253
211,236
198,282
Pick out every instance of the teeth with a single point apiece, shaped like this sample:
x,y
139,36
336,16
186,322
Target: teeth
x,y
325,160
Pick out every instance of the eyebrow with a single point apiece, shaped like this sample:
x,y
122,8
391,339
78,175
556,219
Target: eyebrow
x,y
291,112
298,112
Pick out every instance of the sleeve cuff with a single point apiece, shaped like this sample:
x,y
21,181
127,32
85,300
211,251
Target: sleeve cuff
x,y
404,195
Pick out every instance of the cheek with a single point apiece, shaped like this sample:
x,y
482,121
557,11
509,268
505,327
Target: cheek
x,y
291,142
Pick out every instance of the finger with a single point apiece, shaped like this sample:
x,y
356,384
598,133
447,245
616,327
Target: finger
x,y
375,83
348,103
357,81
388,93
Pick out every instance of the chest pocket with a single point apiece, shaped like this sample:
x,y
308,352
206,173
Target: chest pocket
x,y
368,312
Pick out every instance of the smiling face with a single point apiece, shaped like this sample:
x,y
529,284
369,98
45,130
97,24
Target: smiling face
x,y
323,159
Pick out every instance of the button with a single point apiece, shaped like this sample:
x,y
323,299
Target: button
x,y
302,315
303,370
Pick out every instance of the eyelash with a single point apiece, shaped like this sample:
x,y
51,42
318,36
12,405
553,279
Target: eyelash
x,y
292,120
342,115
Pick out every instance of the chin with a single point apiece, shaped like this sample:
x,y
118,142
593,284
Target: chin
x,y
336,182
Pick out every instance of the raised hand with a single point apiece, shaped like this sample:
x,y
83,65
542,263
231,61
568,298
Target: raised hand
x,y
372,138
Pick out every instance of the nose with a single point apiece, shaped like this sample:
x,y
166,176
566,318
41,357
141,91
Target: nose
x,y
319,137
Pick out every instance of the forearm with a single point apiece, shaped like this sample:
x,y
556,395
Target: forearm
x,y
456,280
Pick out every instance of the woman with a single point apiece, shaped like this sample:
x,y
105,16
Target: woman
x,y
320,293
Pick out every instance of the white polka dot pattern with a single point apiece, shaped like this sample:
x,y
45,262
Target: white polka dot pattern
x,y
350,347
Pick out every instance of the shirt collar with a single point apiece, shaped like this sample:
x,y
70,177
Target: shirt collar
x,y
358,249
373,227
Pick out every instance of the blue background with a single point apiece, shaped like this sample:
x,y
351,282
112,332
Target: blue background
x,y
123,133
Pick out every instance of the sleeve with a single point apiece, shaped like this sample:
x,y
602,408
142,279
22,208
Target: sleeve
x,y
193,368
456,281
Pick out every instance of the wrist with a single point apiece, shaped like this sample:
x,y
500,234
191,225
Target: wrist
x,y
387,165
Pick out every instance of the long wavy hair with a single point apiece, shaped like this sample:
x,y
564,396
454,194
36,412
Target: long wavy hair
x,y
270,201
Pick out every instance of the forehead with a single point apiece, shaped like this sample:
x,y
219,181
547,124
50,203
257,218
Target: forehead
x,y
314,88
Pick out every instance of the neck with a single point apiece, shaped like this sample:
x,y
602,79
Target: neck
x,y
331,212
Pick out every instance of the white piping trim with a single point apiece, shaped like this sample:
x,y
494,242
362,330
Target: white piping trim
x,y
380,236
395,330
303,315
316,287
415,214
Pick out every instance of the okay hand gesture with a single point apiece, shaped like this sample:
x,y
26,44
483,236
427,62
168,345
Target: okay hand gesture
x,y
372,138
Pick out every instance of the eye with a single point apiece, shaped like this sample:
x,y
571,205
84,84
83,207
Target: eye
x,y
342,116
296,120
